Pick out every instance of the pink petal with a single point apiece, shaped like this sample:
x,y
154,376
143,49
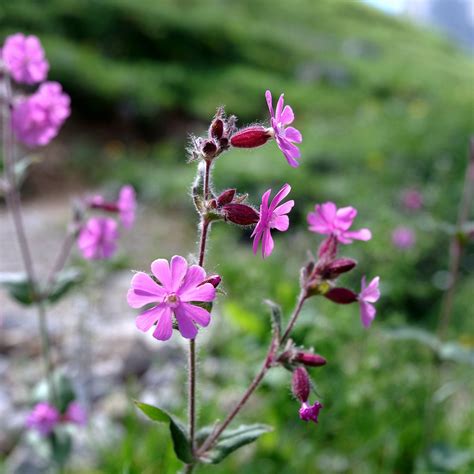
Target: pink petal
x,y
279,108
284,208
265,198
161,270
186,326
362,234
345,217
371,293
268,97
204,292
287,115
267,243
290,151
294,135
145,320
194,277
178,267
280,195
199,315
280,223
256,241
327,212
164,327
367,313
144,291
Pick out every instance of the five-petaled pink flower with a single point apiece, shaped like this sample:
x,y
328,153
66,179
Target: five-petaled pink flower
x,y
24,58
271,217
329,220
127,205
178,290
75,414
368,295
43,418
98,238
309,412
37,119
285,136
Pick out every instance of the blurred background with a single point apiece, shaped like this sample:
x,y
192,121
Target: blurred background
x,y
383,92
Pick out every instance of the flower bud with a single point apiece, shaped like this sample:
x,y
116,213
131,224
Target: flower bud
x,y
328,248
341,295
250,137
310,359
209,149
214,280
300,384
226,197
240,214
216,130
338,267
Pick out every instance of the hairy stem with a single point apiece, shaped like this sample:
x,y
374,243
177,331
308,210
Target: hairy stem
x,y
213,437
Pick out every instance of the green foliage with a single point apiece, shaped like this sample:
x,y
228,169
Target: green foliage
x,y
63,391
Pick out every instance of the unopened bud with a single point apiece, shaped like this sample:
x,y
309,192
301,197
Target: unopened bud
x,y
214,280
226,197
310,359
341,295
300,384
338,267
209,149
240,214
328,248
216,130
250,137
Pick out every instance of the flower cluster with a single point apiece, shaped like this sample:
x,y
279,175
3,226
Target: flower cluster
x,y
36,119
97,239
45,417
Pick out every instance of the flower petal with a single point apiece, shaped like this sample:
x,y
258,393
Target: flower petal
x,y
280,223
199,315
144,290
204,292
267,243
164,327
287,116
367,313
269,99
284,208
186,326
194,277
161,270
362,234
145,320
178,268
280,195
279,108
256,240
294,135
371,293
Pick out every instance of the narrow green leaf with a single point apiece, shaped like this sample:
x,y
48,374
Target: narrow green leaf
x,y
63,390
276,315
232,440
64,282
181,444
19,287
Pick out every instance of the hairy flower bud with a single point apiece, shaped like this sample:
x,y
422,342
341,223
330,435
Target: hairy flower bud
x,y
300,384
310,359
240,214
250,137
338,267
341,295
216,130
209,149
226,197
328,248
214,280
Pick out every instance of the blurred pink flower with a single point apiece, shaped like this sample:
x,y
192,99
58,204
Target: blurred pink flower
x,y
98,238
75,414
177,291
329,220
43,418
271,217
37,119
24,58
310,413
403,237
412,199
368,295
127,205
285,136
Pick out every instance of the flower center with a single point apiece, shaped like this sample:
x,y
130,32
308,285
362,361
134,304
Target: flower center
x,y
172,300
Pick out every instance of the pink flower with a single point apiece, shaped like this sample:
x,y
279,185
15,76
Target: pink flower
x,y
24,58
329,220
37,119
75,414
412,199
127,205
43,418
403,238
368,295
271,217
310,413
178,290
284,136
98,238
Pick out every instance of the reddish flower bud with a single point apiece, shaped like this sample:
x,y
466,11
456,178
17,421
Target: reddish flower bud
x,y
240,214
209,149
250,137
341,295
300,384
328,248
214,280
226,197
310,359
338,267
216,130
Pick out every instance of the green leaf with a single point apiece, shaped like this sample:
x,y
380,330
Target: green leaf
x,y
64,281
62,389
454,352
276,315
19,286
21,167
61,446
231,440
181,444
